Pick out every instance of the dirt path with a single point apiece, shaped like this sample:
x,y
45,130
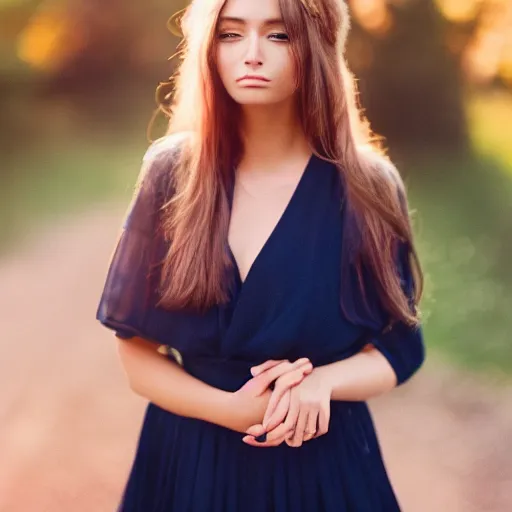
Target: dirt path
x,y
69,424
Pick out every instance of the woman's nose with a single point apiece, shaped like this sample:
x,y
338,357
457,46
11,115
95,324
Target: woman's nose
x,y
253,56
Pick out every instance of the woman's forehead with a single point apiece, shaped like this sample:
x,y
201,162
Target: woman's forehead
x,y
250,10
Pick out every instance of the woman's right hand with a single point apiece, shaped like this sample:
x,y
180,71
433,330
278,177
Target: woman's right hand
x,y
249,403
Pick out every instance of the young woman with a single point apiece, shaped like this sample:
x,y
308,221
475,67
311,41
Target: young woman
x,y
269,248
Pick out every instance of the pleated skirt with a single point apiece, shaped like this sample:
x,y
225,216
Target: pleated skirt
x,y
187,465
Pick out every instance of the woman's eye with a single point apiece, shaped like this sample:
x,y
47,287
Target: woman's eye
x,y
280,36
228,35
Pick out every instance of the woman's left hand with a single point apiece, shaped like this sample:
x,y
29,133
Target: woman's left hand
x,y
307,418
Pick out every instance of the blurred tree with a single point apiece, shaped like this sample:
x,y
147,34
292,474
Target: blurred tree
x,y
410,83
412,58
119,43
481,34
101,58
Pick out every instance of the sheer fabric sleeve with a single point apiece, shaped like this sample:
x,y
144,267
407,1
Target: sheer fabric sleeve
x,y
403,346
128,294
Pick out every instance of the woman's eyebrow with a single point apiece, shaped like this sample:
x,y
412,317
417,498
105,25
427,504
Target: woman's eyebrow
x,y
242,21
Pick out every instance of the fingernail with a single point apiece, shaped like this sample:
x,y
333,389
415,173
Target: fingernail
x,y
261,439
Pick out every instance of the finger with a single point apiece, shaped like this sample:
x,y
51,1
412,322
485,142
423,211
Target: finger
x,y
280,432
256,370
285,383
264,379
323,421
308,369
279,413
291,414
261,382
266,444
252,442
277,436
311,425
300,428
255,430
277,397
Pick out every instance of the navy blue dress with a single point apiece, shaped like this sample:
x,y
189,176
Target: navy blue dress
x,y
287,307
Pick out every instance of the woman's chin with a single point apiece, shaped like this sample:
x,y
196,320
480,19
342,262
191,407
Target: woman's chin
x,y
256,98
254,94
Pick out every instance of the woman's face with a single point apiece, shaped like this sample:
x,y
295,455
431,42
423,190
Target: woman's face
x,y
254,57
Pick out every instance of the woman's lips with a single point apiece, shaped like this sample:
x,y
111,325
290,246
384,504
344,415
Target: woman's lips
x,y
253,78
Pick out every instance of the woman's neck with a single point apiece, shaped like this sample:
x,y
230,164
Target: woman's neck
x,y
271,134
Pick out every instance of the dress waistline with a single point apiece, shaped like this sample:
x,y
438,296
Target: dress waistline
x,y
231,374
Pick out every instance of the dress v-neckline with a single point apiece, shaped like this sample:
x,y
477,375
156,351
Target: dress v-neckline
x,y
300,184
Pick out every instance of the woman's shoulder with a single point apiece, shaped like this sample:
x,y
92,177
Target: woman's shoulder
x,y
382,165
386,175
158,163
166,147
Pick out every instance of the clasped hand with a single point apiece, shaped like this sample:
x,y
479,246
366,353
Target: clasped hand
x,y
298,409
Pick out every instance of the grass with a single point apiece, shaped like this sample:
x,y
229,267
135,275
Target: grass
x,y
54,181
463,226
468,298
490,117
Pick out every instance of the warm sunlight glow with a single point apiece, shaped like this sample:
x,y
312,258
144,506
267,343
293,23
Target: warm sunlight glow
x,y
46,41
506,65
482,59
459,10
373,15
488,55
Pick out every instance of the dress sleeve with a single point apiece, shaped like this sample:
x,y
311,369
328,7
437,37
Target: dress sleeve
x,y
128,294
402,345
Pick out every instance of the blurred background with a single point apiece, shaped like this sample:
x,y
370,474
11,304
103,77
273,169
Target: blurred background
x,y
77,92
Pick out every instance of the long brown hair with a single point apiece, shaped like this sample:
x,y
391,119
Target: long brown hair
x,y
196,218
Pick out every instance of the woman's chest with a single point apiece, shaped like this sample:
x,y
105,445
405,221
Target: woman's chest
x,y
260,204
288,303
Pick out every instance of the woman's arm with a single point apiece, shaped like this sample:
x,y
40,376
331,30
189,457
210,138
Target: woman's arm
x,y
163,382
166,384
365,375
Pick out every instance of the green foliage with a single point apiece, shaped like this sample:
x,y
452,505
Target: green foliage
x,y
52,182
463,225
467,299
